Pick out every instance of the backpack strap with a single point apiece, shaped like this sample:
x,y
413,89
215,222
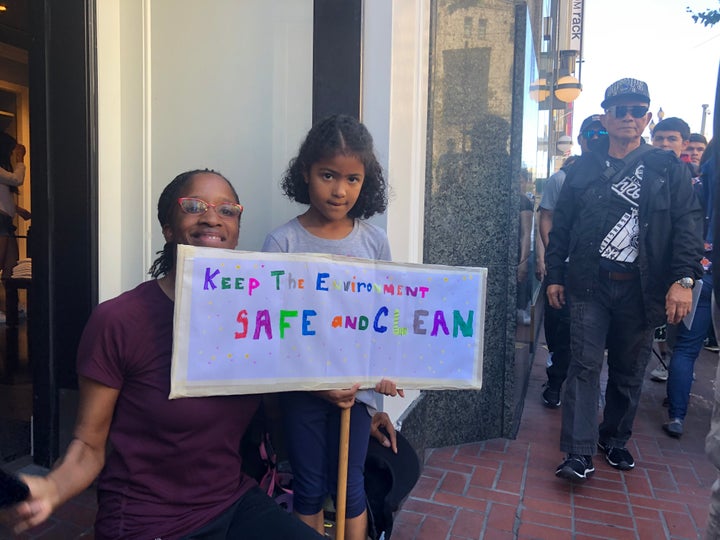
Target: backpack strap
x,y
614,171
631,161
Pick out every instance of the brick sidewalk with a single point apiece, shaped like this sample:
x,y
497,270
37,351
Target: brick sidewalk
x,y
506,489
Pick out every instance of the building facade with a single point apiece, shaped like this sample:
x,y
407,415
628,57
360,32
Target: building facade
x,y
125,94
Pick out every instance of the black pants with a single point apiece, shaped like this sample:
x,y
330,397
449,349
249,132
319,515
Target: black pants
x,y
255,516
557,337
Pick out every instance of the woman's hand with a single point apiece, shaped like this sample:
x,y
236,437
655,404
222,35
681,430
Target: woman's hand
x,y
342,398
17,155
388,388
382,420
37,508
81,464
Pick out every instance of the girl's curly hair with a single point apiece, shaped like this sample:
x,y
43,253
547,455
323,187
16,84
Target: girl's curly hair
x,y
166,208
345,135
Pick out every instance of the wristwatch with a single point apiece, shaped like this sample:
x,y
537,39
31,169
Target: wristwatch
x,y
686,282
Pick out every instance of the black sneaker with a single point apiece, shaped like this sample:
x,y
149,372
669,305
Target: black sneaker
x,y
551,397
620,458
575,467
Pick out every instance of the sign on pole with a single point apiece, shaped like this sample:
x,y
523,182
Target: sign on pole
x,y
249,322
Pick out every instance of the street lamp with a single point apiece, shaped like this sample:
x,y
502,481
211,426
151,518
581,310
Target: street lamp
x,y
567,89
539,90
660,115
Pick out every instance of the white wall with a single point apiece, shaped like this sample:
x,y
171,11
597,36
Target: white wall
x,y
109,155
183,85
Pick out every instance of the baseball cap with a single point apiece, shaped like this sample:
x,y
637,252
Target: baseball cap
x,y
625,88
589,121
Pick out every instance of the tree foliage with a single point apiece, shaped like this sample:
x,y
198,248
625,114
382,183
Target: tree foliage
x,y
709,17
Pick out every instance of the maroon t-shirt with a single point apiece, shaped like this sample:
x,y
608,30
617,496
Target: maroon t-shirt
x,y
174,465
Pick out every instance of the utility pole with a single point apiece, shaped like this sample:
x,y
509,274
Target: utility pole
x,y
704,116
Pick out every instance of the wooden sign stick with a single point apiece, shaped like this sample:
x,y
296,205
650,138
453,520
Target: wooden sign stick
x,y
341,501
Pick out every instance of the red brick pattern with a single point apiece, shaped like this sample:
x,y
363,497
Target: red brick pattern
x,y
506,489
501,489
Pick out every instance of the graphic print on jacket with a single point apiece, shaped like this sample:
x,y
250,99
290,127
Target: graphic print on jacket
x,y
621,243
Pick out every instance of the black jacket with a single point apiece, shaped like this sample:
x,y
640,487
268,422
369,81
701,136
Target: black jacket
x,y
670,221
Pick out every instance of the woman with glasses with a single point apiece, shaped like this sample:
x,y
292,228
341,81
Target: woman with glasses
x,y
173,467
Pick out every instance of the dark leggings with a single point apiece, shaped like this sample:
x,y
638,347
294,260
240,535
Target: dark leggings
x,y
255,516
312,431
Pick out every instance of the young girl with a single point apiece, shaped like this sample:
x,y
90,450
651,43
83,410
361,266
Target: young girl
x,y
337,174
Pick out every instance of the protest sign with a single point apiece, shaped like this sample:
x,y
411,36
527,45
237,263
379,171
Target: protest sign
x,y
249,322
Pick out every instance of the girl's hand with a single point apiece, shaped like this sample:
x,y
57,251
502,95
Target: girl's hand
x,y
388,388
36,509
342,398
382,420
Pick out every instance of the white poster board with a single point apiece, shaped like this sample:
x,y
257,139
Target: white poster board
x,y
248,322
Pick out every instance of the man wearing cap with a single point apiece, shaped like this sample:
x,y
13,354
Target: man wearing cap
x,y
629,221
557,321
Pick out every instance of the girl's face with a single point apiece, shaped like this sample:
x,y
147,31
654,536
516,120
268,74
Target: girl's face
x,y
213,228
334,186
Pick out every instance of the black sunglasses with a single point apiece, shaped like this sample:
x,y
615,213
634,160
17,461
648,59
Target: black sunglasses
x,y
636,111
590,133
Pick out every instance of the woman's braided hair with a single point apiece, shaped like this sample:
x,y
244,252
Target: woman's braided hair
x,y
345,135
167,205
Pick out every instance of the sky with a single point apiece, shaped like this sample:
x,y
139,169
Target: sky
x,y
655,41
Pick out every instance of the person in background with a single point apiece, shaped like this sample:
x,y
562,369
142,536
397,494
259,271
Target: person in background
x,y
12,175
671,134
557,321
688,342
524,283
711,167
627,219
337,174
693,152
173,469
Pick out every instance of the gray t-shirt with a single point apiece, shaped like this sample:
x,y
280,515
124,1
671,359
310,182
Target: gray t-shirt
x,y
366,241
551,191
